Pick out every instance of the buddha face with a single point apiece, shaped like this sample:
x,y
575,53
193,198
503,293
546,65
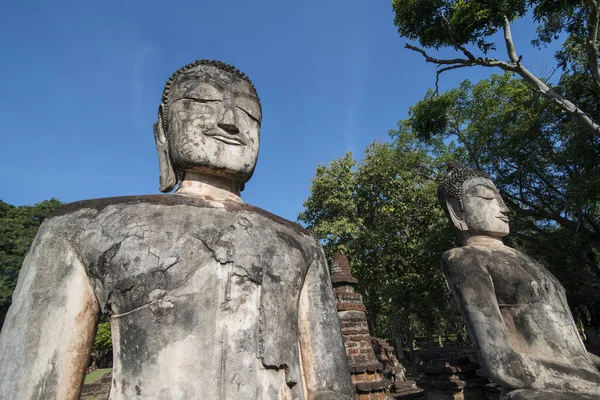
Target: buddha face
x,y
484,211
213,124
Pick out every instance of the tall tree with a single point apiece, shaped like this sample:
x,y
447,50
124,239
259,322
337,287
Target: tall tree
x,y
467,27
385,217
330,211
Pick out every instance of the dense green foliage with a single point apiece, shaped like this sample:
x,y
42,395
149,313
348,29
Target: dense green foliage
x,y
383,214
438,23
103,339
18,227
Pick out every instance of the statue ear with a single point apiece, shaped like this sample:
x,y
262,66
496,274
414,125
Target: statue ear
x,y
455,213
167,174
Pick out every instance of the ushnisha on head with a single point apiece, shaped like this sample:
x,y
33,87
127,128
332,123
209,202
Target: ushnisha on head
x,y
473,203
208,127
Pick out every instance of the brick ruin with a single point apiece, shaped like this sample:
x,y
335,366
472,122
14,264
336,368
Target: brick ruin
x,y
394,371
451,374
368,381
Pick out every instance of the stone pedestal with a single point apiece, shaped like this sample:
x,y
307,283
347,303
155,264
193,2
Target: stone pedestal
x,y
450,376
368,381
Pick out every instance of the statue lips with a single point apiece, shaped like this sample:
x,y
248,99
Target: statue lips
x,y
228,140
225,138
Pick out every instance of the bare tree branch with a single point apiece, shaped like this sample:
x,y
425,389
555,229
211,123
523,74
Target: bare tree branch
x,y
543,89
592,222
591,44
510,46
513,202
439,71
515,66
580,116
439,61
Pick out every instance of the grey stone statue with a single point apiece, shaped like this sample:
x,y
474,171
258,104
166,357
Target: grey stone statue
x,y
208,297
515,310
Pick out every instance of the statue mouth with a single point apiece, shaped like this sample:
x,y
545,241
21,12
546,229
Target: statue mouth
x,y
227,139
505,219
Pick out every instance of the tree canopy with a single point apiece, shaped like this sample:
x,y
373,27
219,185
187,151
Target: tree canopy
x,y
382,213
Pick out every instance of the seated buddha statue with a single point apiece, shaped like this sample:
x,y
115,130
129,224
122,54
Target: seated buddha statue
x,y
515,310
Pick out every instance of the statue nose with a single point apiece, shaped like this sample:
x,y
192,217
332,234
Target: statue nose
x,y
228,122
503,209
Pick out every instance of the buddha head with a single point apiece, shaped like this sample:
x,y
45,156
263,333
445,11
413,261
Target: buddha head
x,y
208,123
473,203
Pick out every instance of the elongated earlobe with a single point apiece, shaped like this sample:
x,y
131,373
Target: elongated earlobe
x,y
455,213
167,174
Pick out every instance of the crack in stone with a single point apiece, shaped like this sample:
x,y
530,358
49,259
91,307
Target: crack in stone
x,y
127,289
168,267
211,250
248,275
278,367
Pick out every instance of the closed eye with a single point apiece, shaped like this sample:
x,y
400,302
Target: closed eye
x,y
484,192
248,114
201,101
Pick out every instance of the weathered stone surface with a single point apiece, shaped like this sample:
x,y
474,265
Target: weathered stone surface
x,y
215,308
208,297
515,310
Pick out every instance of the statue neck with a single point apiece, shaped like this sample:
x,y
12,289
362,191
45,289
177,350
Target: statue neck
x,y
210,187
482,240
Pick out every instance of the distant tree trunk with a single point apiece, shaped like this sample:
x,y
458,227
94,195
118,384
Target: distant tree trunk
x,y
371,325
410,335
397,337
429,333
439,331
460,339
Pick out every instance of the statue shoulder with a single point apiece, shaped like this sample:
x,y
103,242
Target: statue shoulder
x,y
454,255
100,204
464,259
275,219
167,200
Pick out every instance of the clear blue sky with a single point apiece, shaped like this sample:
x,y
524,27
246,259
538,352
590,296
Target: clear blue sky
x,y
80,84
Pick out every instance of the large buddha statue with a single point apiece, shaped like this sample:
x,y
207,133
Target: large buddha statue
x,y
208,297
515,310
